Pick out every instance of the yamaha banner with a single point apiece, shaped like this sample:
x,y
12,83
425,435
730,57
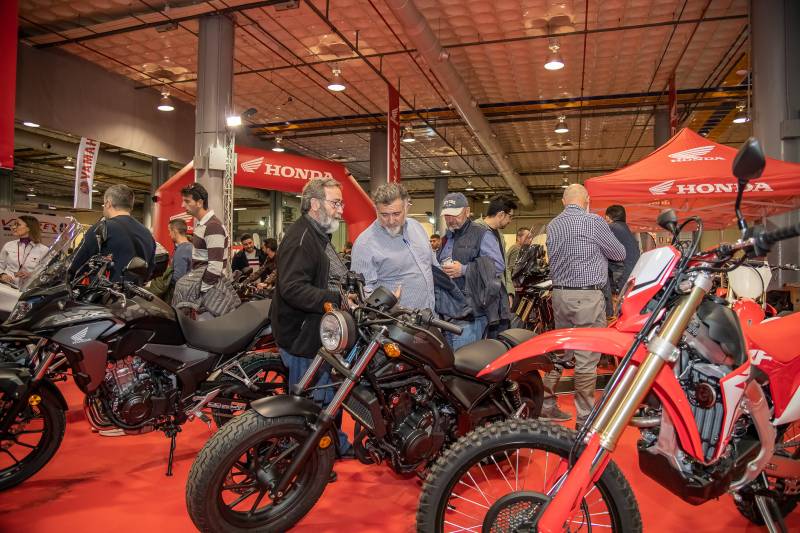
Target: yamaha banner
x,y
84,173
393,135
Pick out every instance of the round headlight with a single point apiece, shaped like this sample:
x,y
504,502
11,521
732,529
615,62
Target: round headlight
x,y
333,331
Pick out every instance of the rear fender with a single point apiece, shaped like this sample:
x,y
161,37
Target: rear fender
x,y
604,340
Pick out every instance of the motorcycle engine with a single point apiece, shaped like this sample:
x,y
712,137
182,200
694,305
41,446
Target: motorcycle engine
x,y
420,425
136,392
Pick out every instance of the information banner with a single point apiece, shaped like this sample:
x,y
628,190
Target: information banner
x,y
84,173
393,135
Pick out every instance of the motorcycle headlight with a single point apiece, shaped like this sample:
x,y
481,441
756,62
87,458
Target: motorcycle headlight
x,y
335,331
22,308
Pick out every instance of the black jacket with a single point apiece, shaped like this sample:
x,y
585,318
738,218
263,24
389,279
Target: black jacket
x,y
297,306
239,261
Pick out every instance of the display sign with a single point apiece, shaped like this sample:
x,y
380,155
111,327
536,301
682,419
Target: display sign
x,y
51,225
84,173
393,135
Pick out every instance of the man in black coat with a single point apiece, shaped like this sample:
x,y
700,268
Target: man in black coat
x,y
248,256
619,271
309,270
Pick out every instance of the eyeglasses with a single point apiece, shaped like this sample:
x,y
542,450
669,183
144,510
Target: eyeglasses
x,y
337,204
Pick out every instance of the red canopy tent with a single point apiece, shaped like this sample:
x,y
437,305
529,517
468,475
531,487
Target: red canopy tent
x,y
693,176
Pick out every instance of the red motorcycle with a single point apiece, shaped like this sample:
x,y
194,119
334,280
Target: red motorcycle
x,y
713,387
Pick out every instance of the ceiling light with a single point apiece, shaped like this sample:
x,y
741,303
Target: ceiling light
x,y
95,191
554,59
30,194
564,163
741,117
233,121
52,207
262,223
469,187
337,83
162,158
564,183
68,165
408,136
240,209
486,200
444,169
30,124
298,195
278,147
165,104
561,125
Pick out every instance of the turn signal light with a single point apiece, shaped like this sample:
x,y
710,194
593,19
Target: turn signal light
x,y
324,442
391,349
328,306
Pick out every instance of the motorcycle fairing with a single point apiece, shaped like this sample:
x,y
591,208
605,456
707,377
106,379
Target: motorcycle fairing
x,y
79,342
648,276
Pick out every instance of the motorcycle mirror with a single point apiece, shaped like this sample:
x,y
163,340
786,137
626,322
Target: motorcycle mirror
x,y
748,165
668,220
381,298
138,267
101,233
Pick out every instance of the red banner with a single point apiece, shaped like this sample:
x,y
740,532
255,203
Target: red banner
x,y
84,173
393,135
8,73
673,106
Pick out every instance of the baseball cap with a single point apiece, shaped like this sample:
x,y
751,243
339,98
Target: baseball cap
x,y
454,203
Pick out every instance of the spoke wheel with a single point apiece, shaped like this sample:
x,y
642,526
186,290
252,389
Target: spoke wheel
x,y
232,481
33,439
497,479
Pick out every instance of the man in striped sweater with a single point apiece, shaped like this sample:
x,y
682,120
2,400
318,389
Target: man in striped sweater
x,y
209,241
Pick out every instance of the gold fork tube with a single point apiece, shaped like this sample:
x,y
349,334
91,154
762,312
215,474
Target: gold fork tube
x,y
620,414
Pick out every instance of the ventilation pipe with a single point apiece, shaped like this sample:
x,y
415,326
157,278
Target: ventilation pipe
x,y
422,38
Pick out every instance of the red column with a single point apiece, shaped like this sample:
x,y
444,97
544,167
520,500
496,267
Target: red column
x,y
8,73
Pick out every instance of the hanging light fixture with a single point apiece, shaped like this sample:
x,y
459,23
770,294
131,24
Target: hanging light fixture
x,y
278,147
337,83
30,194
741,116
408,136
564,163
554,59
233,121
165,104
561,125
30,124
485,199
565,183
68,165
445,169
469,187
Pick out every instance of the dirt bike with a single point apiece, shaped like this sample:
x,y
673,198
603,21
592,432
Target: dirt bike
x,y
394,373
713,387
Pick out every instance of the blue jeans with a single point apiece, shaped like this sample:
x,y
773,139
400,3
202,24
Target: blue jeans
x,y
473,330
297,368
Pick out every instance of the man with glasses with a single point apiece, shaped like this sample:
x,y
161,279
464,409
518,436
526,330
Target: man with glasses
x,y
310,270
394,252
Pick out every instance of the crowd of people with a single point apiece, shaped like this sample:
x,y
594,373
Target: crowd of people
x,y
464,275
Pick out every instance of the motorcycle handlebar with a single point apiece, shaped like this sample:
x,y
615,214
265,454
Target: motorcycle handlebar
x,y
138,291
768,238
446,326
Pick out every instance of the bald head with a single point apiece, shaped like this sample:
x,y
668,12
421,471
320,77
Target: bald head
x,y
576,194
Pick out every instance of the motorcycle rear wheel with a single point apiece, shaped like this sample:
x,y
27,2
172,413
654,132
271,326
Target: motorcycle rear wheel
x,y
260,368
455,497
46,419
237,463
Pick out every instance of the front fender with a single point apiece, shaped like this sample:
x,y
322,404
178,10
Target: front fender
x,y
604,340
286,405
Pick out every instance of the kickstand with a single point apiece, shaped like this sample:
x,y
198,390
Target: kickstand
x,y
771,514
171,432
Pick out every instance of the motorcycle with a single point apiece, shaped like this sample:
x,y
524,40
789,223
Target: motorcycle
x,y
141,365
712,387
407,392
533,308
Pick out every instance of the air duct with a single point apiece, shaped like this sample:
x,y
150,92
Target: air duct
x,y
417,29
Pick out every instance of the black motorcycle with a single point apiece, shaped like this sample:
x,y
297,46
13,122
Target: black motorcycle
x,y
533,308
141,366
394,373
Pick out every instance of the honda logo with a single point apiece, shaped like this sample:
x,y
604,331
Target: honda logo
x,y
661,188
706,188
694,154
283,171
252,165
80,337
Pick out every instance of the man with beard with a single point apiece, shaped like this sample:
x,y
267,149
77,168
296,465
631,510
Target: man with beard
x,y
309,271
394,251
248,256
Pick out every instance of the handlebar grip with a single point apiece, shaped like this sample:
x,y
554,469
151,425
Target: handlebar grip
x,y
138,291
780,234
446,326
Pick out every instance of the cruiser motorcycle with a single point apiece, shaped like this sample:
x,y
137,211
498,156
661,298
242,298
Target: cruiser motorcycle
x,y
713,388
141,365
396,376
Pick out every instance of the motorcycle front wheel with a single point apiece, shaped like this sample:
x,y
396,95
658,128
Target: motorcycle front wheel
x,y
496,479
230,480
33,439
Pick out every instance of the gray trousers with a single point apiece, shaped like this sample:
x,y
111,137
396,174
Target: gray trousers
x,y
577,309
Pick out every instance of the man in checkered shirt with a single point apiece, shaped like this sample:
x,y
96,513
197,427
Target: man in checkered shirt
x,y
579,245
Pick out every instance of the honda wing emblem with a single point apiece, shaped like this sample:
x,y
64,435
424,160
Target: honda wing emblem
x,y
80,337
661,188
252,165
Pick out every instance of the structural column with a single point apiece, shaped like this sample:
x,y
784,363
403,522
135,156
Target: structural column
x,y
775,32
160,174
378,160
214,101
275,214
661,132
439,192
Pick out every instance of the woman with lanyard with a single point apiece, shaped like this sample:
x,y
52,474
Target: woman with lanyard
x,y
18,258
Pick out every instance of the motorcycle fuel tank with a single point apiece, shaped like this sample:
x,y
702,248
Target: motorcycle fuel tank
x,y
428,349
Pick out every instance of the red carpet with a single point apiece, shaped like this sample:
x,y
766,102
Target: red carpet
x,y
101,484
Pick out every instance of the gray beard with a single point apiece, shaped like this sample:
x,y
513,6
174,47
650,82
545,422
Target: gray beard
x,y
329,224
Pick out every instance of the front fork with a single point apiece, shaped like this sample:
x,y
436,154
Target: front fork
x,y
620,407
23,394
327,416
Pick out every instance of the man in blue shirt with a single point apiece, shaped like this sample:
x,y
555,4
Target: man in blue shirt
x,y
394,251
182,256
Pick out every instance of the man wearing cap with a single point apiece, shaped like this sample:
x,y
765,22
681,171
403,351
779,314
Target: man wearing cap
x,y
471,256
579,245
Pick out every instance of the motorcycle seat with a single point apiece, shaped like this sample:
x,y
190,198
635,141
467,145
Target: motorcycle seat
x,y
228,333
473,358
514,336
775,336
